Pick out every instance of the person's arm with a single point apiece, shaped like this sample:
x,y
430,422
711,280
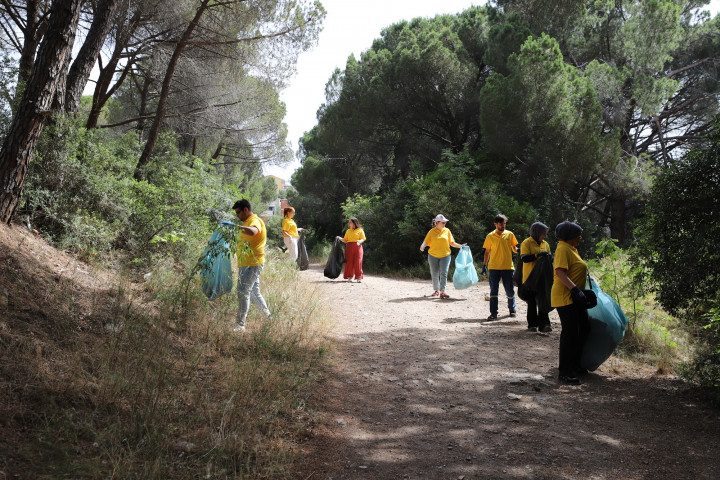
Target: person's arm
x,y
252,231
564,279
577,295
285,234
486,257
457,245
422,246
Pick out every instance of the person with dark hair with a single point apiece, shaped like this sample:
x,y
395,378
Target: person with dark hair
x,y
531,249
439,239
354,238
251,260
499,246
568,298
290,232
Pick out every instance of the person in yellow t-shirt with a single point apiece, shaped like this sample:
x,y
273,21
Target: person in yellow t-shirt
x,y
569,300
439,239
354,238
531,249
251,260
290,232
499,246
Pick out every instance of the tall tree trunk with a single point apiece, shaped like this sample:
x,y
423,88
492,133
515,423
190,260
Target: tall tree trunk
x,y
34,108
32,35
618,219
144,92
165,91
83,64
100,94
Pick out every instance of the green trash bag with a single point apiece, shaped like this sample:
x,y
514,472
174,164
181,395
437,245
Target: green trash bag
x,y
465,275
607,329
215,263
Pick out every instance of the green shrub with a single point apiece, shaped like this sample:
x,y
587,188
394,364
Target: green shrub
x,y
80,192
652,335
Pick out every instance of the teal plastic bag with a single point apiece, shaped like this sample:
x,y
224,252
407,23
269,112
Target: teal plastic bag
x,y
607,329
465,275
215,263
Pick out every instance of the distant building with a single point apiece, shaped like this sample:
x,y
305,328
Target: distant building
x,y
276,206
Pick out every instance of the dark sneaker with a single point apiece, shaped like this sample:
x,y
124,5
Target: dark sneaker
x,y
546,329
532,329
492,317
513,313
570,379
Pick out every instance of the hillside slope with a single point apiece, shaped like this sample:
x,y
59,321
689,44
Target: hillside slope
x,y
102,378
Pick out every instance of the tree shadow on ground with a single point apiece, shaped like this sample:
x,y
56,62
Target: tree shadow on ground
x,y
483,402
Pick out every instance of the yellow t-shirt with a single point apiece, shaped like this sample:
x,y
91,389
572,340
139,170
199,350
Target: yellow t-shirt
x,y
501,248
256,242
354,234
530,246
439,242
567,257
289,225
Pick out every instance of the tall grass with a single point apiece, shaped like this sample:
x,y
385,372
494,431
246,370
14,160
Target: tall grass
x,y
168,390
652,336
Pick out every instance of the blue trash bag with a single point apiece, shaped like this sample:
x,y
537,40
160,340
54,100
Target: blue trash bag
x,y
607,329
465,275
215,263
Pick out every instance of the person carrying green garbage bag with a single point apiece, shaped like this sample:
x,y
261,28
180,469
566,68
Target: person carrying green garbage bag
x,y
568,298
251,260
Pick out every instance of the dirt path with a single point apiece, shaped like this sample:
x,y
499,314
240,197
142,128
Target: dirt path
x,y
426,389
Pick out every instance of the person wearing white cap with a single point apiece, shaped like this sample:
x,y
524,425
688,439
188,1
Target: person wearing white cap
x,y
439,239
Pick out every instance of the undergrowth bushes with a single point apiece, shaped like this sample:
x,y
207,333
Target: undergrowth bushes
x,y
165,389
80,192
652,336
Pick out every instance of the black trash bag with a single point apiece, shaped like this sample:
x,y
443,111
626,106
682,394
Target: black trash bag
x,y
303,261
518,272
539,284
336,260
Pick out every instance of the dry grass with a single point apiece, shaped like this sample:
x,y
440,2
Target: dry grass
x,y
108,379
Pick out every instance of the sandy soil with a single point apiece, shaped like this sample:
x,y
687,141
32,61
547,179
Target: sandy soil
x,y
424,388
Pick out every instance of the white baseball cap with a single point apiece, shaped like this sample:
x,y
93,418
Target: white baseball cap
x,y
441,218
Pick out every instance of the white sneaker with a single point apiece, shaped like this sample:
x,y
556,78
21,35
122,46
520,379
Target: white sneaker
x,y
239,328
349,280
359,280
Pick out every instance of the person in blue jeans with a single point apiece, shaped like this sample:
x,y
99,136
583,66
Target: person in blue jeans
x,y
439,239
251,260
499,246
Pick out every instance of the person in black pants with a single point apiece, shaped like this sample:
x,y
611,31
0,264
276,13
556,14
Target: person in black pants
x,y
531,249
569,300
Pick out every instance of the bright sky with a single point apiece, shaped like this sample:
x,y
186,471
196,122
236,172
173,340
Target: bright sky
x,y
350,27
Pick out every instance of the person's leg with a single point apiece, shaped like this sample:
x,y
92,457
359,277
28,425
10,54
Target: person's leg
x,y
255,295
246,280
349,261
358,263
294,248
569,341
509,289
444,267
434,263
583,332
532,314
544,322
291,244
494,279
